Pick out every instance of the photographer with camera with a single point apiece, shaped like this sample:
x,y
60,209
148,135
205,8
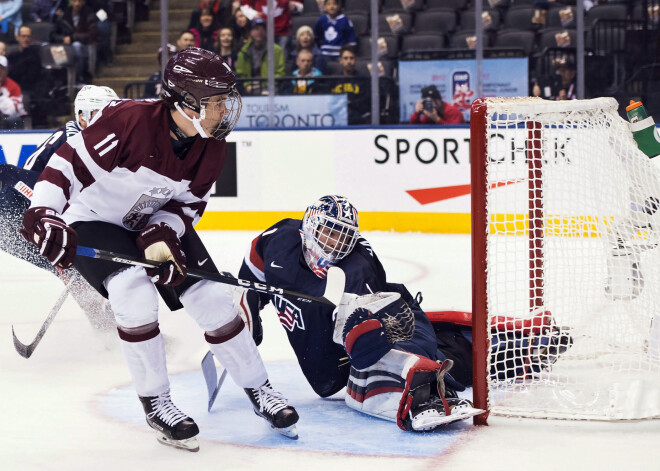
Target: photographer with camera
x,y
432,110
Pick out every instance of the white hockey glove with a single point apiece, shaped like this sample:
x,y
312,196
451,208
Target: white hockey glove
x,y
350,302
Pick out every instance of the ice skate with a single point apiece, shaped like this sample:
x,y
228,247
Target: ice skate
x,y
174,427
273,407
431,414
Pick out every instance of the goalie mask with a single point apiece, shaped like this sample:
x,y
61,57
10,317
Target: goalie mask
x,y
202,81
92,98
329,232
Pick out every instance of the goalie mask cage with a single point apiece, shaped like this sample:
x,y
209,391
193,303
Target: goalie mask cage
x,y
565,269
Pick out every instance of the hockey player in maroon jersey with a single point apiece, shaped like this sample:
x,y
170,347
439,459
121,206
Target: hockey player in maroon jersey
x,y
136,183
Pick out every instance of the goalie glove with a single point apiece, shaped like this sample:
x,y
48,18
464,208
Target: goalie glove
x,y
161,244
55,240
368,326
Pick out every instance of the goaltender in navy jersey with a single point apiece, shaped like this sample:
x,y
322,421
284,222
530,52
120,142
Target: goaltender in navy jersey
x,y
276,258
147,183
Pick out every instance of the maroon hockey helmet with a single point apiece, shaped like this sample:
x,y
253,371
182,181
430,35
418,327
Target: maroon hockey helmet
x,y
203,82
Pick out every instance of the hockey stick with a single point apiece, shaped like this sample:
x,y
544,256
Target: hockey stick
x,y
26,350
213,384
334,288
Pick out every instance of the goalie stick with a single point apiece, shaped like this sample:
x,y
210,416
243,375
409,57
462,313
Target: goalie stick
x,y
334,288
26,350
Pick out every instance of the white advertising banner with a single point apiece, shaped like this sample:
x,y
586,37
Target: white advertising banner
x,y
419,175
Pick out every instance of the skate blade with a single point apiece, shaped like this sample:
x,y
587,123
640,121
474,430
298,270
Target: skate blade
x,y
188,444
428,423
289,432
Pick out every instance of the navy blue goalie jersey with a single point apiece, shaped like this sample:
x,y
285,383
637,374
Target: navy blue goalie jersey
x,y
276,258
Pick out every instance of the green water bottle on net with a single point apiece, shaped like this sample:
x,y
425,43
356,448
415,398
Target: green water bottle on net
x,y
643,129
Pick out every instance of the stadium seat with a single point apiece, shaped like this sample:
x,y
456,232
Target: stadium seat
x,y
459,40
561,16
360,21
453,4
441,21
300,20
467,18
520,18
422,42
557,37
396,5
606,11
515,39
391,45
362,6
364,65
41,31
399,23
311,6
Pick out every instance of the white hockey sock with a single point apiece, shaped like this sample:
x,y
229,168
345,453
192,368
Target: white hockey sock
x,y
146,362
240,356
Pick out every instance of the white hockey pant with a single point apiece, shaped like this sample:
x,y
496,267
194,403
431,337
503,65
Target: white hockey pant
x,y
134,300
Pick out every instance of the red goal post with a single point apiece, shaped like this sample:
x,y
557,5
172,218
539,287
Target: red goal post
x,y
562,232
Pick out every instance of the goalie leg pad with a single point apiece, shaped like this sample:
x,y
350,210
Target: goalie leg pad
x,y
397,384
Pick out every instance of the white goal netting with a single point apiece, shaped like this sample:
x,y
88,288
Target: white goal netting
x,y
571,253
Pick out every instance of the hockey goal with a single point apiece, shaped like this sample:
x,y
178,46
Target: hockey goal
x,y
566,272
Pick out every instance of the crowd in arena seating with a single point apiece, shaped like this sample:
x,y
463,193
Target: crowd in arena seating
x,y
321,46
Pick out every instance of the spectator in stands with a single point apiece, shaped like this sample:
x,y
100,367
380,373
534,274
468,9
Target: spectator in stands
x,y
431,109
205,32
241,26
282,18
305,40
104,52
76,25
186,40
333,30
226,46
559,86
43,10
25,63
222,11
565,70
252,60
3,49
153,88
356,85
303,85
11,100
10,13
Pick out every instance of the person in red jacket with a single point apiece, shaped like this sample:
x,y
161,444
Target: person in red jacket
x,y
281,18
432,110
11,100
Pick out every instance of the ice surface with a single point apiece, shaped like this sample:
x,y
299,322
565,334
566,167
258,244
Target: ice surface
x,y
71,406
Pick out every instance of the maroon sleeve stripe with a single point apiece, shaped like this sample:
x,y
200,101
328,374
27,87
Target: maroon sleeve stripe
x,y
80,170
58,179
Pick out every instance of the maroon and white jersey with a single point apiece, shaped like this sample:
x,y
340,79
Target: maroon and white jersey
x,y
123,170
